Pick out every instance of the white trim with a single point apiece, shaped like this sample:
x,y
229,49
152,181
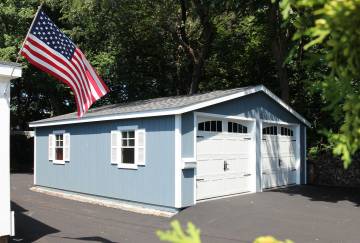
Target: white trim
x,y
174,111
35,157
127,166
298,157
195,157
12,220
260,157
204,114
280,123
178,162
305,157
188,159
121,165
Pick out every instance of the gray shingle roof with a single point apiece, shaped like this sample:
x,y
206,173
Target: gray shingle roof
x,y
12,64
164,103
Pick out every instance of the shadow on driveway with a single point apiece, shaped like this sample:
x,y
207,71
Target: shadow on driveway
x,y
324,193
27,228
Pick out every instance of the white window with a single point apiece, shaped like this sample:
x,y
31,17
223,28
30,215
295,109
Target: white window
x,y
59,147
210,126
272,130
286,132
234,127
128,148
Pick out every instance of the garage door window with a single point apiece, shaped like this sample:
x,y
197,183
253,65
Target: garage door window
x,y
272,130
234,127
210,126
284,131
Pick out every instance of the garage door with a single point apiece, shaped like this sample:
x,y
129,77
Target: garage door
x,y
278,150
223,161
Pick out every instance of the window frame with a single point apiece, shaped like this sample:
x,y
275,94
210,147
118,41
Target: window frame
x,y
136,147
217,123
65,147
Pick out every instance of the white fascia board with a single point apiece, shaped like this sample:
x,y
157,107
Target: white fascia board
x,y
283,104
175,111
10,71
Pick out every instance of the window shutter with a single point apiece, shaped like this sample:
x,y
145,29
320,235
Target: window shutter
x,y
66,149
140,147
51,147
115,147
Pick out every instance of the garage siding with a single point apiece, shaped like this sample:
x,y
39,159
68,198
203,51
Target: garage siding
x,y
259,106
89,170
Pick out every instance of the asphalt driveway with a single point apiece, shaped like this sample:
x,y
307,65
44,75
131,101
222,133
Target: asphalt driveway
x,y
303,214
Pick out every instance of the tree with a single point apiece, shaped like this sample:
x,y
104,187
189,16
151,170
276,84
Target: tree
x,y
331,28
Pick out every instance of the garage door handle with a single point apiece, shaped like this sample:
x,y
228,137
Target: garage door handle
x,y
200,136
265,173
247,138
200,179
293,170
264,139
247,175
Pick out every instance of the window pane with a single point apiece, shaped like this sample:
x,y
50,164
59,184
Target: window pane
x,y
61,143
207,126
275,130
235,127
213,126
282,131
201,126
128,155
131,142
124,134
59,154
292,133
240,128
230,127
244,129
131,134
219,126
124,142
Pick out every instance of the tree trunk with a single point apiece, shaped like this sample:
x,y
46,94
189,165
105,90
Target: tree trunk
x,y
279,50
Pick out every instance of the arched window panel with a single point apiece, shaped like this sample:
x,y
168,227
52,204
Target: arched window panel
x,y
272,130
234,127
210,126
286,132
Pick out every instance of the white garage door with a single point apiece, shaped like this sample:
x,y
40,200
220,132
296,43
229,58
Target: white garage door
x,y
223,161
278,150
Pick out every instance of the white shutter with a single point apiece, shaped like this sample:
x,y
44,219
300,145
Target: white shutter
x,y
66,148
51,147
115,147
140,147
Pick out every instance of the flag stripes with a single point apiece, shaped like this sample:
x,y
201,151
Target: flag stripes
x,y
76,72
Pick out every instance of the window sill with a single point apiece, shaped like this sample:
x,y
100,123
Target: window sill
x,y
128,166
59,162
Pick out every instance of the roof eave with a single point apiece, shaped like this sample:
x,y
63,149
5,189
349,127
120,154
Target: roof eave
x,y
174,111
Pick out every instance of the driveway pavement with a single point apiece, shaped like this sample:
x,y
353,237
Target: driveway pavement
x,y
304,214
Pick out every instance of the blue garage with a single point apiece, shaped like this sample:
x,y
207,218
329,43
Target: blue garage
x,y
169,153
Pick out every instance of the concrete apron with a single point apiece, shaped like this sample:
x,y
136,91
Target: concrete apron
x,y
106,202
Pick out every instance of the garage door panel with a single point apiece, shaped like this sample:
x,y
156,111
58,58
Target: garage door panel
x,y
223,163
269,163
209,188
278,158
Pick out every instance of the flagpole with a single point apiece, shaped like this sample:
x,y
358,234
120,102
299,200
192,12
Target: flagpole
x,y
32,23
22,45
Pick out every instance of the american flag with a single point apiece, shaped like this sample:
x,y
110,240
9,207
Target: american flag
x,y
49,49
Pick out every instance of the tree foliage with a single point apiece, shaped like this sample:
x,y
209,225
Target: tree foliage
x,y
331,32
146,49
